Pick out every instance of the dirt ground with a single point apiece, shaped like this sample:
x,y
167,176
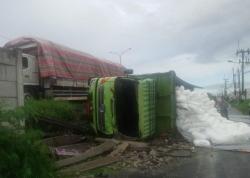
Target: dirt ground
x,y
159,153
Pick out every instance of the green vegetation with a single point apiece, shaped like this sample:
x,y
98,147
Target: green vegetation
x,y
36,109
22,153
24,156
243,106
102,171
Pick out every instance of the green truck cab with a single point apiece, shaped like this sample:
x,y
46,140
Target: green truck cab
x,y
123,105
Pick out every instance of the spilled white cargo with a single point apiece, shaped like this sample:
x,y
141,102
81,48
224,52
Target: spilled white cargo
x,y
200,123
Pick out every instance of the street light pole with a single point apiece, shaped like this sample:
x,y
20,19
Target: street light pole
x,y
238,74
120,54
234,83
120,59
225,88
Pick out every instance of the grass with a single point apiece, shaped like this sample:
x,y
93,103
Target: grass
x,y
22,153
57,110
33,110
243,106
24,156
36,109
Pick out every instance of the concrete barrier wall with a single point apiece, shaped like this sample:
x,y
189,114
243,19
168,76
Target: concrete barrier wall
x,y
11,84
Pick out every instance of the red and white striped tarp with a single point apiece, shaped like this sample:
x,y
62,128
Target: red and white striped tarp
x,y
58,61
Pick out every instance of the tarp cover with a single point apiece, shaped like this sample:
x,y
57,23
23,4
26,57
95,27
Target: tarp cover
x,y
57,61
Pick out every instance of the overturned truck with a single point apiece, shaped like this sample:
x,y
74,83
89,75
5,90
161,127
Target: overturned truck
x,y
135,106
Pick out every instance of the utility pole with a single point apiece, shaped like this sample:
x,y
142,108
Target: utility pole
x,y
225,88
234,83
239,89
243,62
242,53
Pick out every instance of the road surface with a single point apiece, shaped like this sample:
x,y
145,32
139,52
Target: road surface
x,y
235,115
218,162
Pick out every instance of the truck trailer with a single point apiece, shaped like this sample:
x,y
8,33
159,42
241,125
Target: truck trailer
x,y
53,70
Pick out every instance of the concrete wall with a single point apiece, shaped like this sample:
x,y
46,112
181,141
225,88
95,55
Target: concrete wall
x,y
11,84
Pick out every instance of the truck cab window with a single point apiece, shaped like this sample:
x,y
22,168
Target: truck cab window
x,y
25,63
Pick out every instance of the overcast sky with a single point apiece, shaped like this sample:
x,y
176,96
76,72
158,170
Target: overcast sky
x,y
195,37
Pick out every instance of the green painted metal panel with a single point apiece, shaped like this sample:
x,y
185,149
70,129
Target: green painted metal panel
x,y
146,106
165,100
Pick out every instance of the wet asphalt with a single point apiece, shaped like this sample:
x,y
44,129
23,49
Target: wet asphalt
x,y
204,163
221,162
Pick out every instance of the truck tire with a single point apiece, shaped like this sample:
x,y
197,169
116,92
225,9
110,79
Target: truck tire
x,y
27,96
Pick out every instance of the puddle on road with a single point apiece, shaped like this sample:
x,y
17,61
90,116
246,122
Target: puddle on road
x,y
240,118
243,147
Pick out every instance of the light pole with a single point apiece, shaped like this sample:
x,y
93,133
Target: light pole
x,y
120,54
234,83
225,87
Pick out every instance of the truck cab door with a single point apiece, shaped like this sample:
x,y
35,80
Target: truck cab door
x,y
30,70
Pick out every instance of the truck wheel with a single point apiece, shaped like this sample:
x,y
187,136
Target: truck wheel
x,y
27,96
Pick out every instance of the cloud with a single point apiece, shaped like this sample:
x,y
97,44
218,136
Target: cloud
x,y
194,37
186,67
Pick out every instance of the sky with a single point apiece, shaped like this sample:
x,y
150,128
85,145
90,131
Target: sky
x,y
194,38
